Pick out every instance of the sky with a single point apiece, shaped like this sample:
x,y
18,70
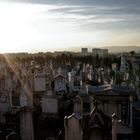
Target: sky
x,y
53,25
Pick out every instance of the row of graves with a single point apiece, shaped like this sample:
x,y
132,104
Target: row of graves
x,y
130,75
13,94
100,122
48,94
27,94
9,127
54,93
136,104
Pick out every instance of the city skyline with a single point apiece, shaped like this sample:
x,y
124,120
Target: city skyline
x,y
37,25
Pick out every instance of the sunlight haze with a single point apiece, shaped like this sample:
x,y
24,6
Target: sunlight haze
x,y
39,26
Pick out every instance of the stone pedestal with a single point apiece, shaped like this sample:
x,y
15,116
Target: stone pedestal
x,y
26,123
114,126
73,127
131,110
114,130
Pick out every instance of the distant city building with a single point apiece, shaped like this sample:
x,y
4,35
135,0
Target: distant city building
x,y
84,51
100,52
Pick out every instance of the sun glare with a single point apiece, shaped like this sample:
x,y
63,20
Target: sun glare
x,y
31,27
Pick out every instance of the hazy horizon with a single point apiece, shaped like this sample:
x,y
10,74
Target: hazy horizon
x,y
40,25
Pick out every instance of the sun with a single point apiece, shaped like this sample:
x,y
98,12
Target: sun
x,y
15,26
32,28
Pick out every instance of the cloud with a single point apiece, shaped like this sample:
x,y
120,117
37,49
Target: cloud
x,y
90,11
41,24
82,2
94,14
